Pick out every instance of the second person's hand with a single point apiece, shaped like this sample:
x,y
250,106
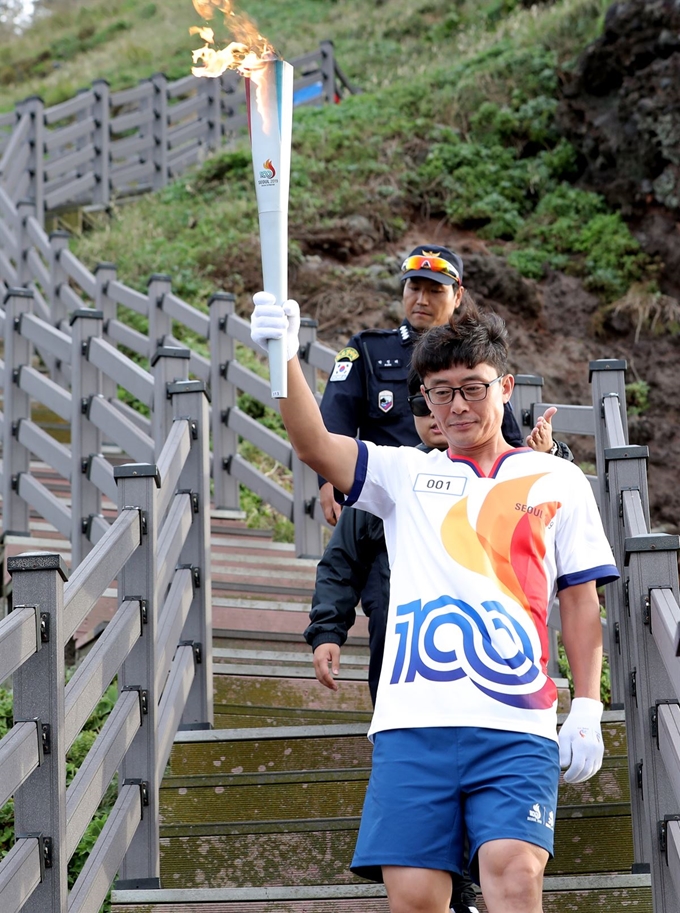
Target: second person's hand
x,y
330,507
327,664
540,437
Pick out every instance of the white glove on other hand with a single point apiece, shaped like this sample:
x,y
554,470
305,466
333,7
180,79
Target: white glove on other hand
x,y
580,738
275,321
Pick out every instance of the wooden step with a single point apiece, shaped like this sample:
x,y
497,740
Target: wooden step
x,y
590,894
334,747
265,655
257,700
256,616
282,807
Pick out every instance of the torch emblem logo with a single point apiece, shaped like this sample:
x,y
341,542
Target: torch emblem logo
x,y
268,171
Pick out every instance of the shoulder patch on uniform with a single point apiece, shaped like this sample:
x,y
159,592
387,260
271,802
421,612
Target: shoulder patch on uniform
x,y
341,370
348,354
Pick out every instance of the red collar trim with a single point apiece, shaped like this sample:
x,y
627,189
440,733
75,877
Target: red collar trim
x,y
474,465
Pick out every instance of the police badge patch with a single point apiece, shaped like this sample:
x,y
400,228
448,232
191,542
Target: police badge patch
x,y
385,400
347,354
341,370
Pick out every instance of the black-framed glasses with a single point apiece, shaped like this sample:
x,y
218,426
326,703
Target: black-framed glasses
x,y
419,405
473,392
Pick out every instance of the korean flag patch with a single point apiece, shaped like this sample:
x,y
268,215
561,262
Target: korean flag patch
x,y
341,370
385,400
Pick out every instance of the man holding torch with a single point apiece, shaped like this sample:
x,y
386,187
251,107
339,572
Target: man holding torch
x,y
479,539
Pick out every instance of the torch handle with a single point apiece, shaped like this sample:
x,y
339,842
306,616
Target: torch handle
x,y
274,246
278,368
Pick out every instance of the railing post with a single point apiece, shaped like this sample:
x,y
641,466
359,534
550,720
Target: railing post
x,y
328,71
230,84
86,438
137,487
308,533
40,803
189,400
17,406
160,324
607,377
36,107
161,174
25,209
626,469
102,142
168,364
105,273
651,564
212,90
528,390
223,394
58,277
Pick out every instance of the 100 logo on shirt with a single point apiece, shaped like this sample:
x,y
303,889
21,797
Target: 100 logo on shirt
x,y
447,639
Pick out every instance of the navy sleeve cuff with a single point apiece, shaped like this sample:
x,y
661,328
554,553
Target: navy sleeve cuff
x,y
606,573
359,475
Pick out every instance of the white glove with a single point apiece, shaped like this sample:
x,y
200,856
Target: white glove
x,y
275,321
580,738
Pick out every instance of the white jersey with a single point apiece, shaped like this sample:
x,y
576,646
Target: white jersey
x,y
475,563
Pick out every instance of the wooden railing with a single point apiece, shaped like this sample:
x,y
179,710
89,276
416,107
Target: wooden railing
x,y
643,620
102,145
158,644
70,317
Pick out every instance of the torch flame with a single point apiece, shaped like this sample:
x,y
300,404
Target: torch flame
x,y
246,53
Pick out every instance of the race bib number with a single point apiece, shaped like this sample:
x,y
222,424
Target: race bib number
x,y
441,485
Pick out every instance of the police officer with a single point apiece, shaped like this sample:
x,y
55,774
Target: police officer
x,y
366,395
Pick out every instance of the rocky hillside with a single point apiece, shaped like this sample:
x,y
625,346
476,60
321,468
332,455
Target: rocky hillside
x,y
620,108
538,138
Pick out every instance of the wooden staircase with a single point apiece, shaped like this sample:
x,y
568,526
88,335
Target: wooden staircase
x,y
261,813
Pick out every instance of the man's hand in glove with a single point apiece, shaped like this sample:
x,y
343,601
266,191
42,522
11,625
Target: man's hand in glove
x,y
580,738
275,321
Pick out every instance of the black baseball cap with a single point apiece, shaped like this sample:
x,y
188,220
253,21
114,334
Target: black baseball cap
x,y
431,261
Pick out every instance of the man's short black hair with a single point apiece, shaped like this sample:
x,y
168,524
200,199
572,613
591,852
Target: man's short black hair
x,y
470,338
413,383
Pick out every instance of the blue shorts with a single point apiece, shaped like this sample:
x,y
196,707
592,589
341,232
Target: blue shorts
x,y
430,787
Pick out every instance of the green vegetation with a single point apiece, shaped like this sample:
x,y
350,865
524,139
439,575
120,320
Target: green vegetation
x,y
456,121
637,397
469,135
75,757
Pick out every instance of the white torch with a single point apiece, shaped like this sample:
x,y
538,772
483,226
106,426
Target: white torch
x,y
269,96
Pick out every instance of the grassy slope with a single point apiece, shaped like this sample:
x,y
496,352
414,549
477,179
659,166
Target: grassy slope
x,y
427,68
456,121
127,40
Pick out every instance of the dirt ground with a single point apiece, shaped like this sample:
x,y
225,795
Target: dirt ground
x,y
552,327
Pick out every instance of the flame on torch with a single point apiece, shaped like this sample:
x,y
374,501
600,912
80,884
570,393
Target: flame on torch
x,y
245,54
